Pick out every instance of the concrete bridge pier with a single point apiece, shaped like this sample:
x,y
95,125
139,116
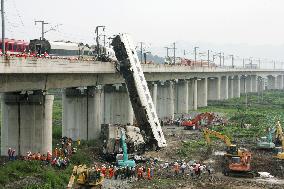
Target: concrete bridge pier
x,y
248,84
214,88
165,100
192,94
253,83
181,97
279,82
82,112
260,84
271,82
236,87
153,87
230,87
243,84
117,105
202,92
224,88
26,122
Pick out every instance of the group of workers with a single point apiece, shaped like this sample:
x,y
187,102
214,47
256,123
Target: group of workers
x,y
149,170
192,168
11,154
60,157
114,172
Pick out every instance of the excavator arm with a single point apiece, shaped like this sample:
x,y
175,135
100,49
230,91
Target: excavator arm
x,y
224,138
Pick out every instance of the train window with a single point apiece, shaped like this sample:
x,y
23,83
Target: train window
x,y
10,47
147,96
15,47
20,48
1,45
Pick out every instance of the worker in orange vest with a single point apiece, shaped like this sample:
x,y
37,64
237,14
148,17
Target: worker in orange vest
x,y
140,173
176,166
103,170
48,156
149,173
110,172
38,156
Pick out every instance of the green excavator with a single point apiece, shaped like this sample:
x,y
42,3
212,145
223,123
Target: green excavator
x,y
122,159
266,142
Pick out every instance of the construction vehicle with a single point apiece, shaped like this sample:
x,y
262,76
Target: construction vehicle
x,y
266,141
232,149
139,94
236,161
84,177
279,139
124,161
203,119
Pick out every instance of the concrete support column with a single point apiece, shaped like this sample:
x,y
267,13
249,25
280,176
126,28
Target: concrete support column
x,y
154,94
181,97
279,82
26,123
192,94
82,113
271,82
202,92
237,87
243,85
231,87
248,84
253,83
165,100
214,88
153,87
224,88
261,86
117,105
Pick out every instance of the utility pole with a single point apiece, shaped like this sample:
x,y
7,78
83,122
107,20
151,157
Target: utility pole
x,y
274,65
208,57
220,57
3,27
174,52
97,38
243,63
195,49
141,51
258,63
42,27
232,60
223,59
167,48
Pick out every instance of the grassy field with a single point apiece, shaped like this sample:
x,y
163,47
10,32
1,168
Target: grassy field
x,y
260,111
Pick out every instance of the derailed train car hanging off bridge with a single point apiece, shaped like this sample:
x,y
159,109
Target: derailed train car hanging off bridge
x,y
142,104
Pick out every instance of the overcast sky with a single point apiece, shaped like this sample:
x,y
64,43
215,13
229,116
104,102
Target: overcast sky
x,y
225,25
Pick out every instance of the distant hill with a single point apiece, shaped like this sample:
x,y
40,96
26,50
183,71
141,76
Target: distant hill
x,y
150,57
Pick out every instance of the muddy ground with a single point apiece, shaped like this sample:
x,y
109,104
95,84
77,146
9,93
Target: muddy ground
x,y
263,161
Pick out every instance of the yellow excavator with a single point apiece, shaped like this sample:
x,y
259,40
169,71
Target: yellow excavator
x,y
236,161
84,177
279,141
232,149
